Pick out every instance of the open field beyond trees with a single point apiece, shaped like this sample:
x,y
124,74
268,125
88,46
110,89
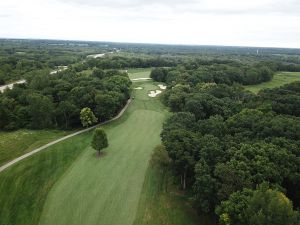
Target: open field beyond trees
x,y
278,80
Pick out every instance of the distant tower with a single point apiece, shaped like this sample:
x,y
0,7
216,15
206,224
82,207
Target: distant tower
x,y
257,52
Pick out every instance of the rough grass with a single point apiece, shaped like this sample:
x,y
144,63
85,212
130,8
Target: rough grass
x,y
162,204
17,143
107,190
24,186
278,80
67,184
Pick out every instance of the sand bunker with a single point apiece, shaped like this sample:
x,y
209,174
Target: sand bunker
x,y
10,86
60,68
137,79
138,88
154,93
100,55
161,86
96,56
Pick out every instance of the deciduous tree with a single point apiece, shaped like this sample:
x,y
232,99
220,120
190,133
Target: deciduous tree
x,y
99,141
87,117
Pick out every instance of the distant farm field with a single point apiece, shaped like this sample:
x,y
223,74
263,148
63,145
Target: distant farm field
x,y
278,80
16,143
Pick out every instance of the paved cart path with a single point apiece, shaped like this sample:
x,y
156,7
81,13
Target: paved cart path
x,y
5,166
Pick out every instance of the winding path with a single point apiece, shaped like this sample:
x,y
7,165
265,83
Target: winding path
x,y
10,86
5,166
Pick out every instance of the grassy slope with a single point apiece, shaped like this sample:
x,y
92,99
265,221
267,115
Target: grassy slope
x,y
16,143
24,187
92,191
278,80
108,189
160,207
139,73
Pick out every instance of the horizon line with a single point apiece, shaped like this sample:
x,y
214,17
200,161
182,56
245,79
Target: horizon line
x,y
150,43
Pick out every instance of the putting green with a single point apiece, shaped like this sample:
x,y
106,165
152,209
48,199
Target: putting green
x,y
107,190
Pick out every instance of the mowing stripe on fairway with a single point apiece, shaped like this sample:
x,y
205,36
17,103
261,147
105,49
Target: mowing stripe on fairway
x,y
106,190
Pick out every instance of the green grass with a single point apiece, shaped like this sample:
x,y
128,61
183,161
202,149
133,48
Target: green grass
x,y
107,190
133,73
16,143
278,80
139,73
162,204
67,184
87,72
25,186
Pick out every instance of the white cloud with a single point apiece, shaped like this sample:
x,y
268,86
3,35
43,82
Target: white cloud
x,y
231,22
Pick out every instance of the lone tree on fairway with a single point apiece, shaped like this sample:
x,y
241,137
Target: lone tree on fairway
x,y
99,141
87,117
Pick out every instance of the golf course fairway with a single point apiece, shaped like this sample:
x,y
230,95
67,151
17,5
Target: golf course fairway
x,y
107,190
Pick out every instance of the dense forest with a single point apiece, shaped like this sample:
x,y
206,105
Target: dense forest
x,y
55,101
236,153
18,57
221,72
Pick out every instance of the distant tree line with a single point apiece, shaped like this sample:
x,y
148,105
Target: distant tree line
x,y
221,72
216,73
12,68
16,67
119,62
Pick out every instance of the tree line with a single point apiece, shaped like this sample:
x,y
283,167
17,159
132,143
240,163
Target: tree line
x,y
236,153
120,62
221,72
55,101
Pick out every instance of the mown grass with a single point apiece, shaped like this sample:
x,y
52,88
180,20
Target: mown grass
x,y
88,72
17,143
278,80
139,73
24,186
107,190
68,184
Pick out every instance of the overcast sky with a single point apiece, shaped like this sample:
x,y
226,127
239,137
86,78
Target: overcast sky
x,y
274,23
